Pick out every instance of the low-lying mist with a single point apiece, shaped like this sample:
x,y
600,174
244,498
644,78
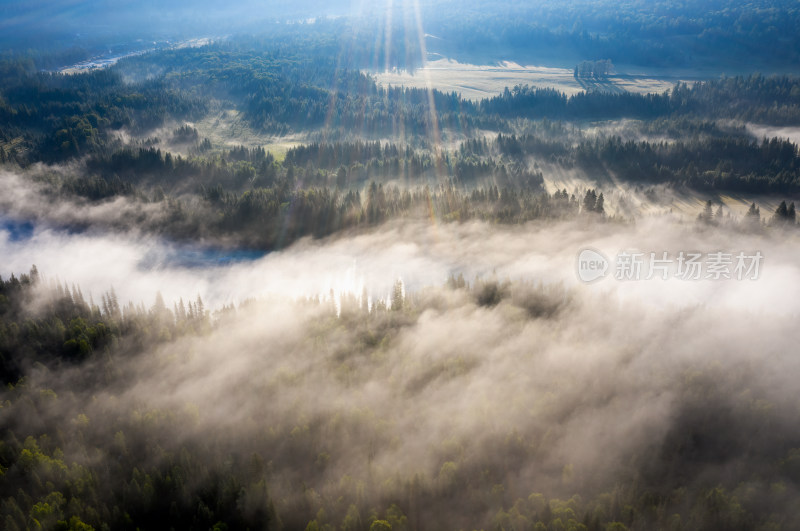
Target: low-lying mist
x,y
421,253
456,405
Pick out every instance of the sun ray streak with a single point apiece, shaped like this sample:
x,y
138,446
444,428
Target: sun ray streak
x,y
387,47
433,131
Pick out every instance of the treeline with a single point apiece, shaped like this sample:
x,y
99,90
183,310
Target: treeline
x,y
774,100
48,323
269,218
237,168
356,162
273,217
340,165
721,163
322,188
728,164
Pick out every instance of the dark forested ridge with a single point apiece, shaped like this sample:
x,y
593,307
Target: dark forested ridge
x,y
773,100
721,34
715,34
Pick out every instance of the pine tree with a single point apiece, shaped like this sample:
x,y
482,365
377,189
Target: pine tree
x,y
708,212
590,201
199,308
397,295
113,302
106,307
159,305
341,177
782,211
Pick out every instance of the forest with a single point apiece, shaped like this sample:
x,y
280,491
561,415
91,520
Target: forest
x,y
135,470
246,285
685,139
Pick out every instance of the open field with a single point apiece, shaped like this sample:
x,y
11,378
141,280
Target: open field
x,y
476,82
226,128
